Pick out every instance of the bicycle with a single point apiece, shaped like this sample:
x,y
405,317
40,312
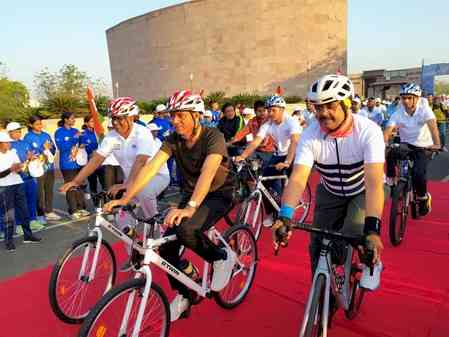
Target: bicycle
x,y
403,194
330,279
252,208
139,307
88,268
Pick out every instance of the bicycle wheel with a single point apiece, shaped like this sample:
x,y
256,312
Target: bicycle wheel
x,y
314,321
355,291
302,210
107,318
71,294
398,214
242,241
251,214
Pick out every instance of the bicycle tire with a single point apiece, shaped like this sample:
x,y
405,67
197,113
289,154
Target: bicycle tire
x,y
256,228
251,271
56,273
357,293
315,311
397,228
109,299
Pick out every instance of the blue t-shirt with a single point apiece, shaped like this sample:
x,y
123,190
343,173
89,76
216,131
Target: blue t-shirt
x,y
216,117
165,126
22,149
37,141
66,139
88,138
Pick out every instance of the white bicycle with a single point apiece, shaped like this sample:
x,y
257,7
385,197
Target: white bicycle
x,y
139,307
251,211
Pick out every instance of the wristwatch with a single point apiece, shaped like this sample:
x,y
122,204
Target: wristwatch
x,y
192,204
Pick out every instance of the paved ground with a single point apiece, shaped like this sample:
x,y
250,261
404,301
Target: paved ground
x,y
58,237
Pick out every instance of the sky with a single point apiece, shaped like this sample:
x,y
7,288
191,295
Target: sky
x,y
36,34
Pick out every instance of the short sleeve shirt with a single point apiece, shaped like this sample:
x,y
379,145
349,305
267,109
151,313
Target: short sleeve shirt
x,y
413,129
281,133
6,161
125,150
190,160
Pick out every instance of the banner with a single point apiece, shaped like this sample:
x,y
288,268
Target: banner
x,y
428,75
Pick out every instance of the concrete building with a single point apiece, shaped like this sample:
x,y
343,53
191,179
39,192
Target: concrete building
x,y
233,46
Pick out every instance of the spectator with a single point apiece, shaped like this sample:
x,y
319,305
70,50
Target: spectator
x,y
441,116
43,146
88,139
372,112
247,115
67,140
216,113
23,150
356,104
162,122
308,114
229,125
12,194
206,121
113,173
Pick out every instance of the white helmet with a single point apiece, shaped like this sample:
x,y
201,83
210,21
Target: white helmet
x,y
410,89
330,88
160,108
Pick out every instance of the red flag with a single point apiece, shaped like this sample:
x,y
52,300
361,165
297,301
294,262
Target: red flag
x,y
94,112
279,91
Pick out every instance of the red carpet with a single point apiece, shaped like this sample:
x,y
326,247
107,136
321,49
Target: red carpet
x,y
413,300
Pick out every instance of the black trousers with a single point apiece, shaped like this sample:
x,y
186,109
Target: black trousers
x,y
45,193
13,199
112,175
191,233
94,178
75,198
420,159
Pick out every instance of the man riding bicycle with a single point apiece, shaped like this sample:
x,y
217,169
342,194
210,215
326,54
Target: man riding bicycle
x,y
207,193
418,131
285,131
349,153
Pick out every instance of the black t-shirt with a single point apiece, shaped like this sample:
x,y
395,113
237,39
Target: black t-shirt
x,y
190,160
230,127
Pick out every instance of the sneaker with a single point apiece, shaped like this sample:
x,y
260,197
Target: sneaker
x,y
36,225
19,230
223,271
52,216
371,282
268,221
42,220
10,247
425,205
84,212
76,215
87,196
32,239
179,308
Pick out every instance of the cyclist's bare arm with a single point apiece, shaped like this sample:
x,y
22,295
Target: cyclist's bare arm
x,y
91,166
432,124
296,185
294,139
251,147
144,176
387,133
240,135
135,169
208,172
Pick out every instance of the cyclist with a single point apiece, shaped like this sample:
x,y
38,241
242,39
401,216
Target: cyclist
x,y
349,153
207,192
230,124
418,131
285,131
132,145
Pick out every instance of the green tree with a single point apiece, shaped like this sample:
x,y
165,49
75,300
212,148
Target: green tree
x,y
14,100
441,87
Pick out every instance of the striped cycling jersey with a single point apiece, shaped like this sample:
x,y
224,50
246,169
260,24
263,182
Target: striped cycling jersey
x,y
340,161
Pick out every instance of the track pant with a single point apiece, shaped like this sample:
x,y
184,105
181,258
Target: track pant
x,y
191,233
75,198
112,175
45,193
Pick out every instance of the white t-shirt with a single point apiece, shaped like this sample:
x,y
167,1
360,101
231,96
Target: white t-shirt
x,y
110,160
6,160
281,133
413,129
139,142
340,161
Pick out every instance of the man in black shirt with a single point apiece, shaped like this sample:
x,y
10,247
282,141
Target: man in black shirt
x,y
201,157
230,124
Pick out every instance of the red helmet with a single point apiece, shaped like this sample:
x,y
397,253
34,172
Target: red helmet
x,y
123,106
185,101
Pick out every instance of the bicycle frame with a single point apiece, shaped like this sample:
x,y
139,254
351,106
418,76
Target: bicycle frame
x,y
151,257
323,268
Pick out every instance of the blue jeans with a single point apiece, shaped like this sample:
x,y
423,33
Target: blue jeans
x,y
276,185
442,129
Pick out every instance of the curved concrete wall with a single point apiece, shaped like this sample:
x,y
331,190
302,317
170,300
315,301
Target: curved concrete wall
x,y
233,46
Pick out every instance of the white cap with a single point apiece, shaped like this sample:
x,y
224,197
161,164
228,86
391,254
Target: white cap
x,y
377,100
248,111
154,127
160,108
297,108
4,138
207,113
357,100
13,126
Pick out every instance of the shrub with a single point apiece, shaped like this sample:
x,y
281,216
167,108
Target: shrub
x,y
293,99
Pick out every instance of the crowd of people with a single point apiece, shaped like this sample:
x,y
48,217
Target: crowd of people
x,y
343,138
